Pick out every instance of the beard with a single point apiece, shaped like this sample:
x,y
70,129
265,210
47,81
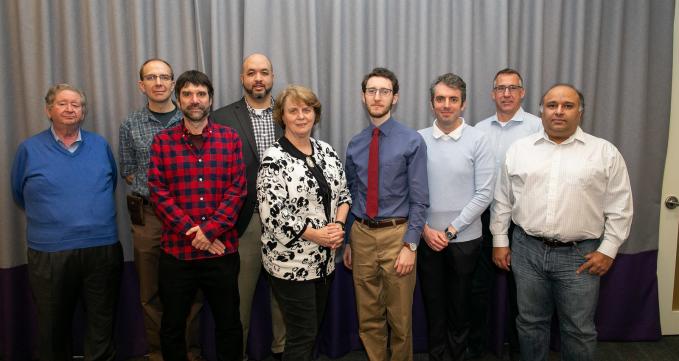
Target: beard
x,y
193,117
379,113
258,95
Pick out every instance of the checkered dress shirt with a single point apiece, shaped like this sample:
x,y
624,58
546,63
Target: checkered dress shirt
x,y
204,187
263,127
134,147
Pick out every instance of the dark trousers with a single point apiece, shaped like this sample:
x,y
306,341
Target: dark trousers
x,y
446,283
482,286
179,281
303,306
58,281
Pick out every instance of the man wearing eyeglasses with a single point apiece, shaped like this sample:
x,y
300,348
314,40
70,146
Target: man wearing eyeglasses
x,y
386,169
509,123
569,194
156,82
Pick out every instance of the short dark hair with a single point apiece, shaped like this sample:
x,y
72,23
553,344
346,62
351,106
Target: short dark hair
x,y
581,98
141,69
382,73
194,77
452,81
295,93
508,71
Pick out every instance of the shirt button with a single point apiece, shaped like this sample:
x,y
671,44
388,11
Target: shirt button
x,y
200,179
200,160
201,198
202,218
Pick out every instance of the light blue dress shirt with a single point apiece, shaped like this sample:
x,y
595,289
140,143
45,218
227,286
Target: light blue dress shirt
x,y
501,137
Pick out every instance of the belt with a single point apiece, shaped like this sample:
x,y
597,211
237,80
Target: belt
x,y
554,243
390,222
144,200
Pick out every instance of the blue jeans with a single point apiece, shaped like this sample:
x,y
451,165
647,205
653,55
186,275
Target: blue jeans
x,y
545,279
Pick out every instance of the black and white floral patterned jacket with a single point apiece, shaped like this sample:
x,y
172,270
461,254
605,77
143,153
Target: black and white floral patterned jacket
x,y
289,202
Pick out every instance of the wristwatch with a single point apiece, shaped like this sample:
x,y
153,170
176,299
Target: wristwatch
x,y
411,246
450,234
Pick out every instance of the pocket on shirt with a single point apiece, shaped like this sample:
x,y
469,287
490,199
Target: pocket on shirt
x,y
394,179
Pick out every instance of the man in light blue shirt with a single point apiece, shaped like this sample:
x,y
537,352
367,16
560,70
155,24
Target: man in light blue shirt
x,y
461,169
509,123
386,171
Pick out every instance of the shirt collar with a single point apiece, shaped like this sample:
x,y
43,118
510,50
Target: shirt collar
x,y
251,110
56,137
206,131
385,128
517,117
579,135
455,134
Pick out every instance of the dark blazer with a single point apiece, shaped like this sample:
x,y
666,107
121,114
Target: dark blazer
x,y
236,116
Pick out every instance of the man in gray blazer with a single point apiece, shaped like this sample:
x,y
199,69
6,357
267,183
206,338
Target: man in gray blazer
x,y
251,117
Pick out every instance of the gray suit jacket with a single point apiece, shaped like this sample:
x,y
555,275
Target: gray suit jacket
x,y
236,116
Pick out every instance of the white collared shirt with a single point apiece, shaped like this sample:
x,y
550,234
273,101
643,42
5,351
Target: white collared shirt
x,y
437,133
572,191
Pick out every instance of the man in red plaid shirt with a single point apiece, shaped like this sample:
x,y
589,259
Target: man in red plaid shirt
x,y
197,185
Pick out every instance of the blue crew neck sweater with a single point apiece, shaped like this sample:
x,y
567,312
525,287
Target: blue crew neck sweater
x,y
68,198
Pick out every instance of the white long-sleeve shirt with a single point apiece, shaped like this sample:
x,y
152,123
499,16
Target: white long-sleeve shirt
x,y
575,190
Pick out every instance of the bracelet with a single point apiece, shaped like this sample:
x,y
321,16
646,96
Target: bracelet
x,y
341,224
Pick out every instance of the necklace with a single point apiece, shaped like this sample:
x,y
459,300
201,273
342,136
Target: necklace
x,y
310,161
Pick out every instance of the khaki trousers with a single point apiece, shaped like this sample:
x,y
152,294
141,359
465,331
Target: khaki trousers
x,y
382,296
146,241
250,250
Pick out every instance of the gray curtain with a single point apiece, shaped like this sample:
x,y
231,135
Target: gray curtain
x,y
618,52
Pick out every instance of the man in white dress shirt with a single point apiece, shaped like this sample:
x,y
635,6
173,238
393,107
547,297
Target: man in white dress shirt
x,y
569,195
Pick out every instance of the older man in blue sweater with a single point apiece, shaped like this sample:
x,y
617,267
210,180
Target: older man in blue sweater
x,y
460,168
64,179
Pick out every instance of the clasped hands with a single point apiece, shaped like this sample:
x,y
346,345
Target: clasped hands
x,y
201,242
331,235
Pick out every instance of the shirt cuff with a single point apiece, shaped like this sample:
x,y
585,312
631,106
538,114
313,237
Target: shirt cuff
x,y
500,240
608,248
412,236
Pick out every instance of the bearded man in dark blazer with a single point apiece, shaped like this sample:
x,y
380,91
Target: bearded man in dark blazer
x,y
251,117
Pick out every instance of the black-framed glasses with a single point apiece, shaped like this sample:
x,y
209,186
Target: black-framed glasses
x,y
383,91
154,77
500,89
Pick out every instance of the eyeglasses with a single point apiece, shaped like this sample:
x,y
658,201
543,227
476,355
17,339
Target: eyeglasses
x,y
154,77
373,91
500,89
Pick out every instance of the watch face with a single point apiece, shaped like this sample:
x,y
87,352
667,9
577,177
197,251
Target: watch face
x,y
450,235
413,246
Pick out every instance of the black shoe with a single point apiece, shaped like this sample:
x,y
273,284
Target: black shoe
x,y
277,356
472,353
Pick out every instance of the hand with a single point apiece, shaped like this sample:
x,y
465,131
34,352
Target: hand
x,y
129,179
217,247
346,257
199,240
597,263
331,236
436,240
405,262
502,257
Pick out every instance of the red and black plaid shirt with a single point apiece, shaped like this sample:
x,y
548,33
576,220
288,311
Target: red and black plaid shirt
x,y
190,186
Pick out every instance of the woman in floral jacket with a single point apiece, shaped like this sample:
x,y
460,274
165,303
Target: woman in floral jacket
x,y
303,203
